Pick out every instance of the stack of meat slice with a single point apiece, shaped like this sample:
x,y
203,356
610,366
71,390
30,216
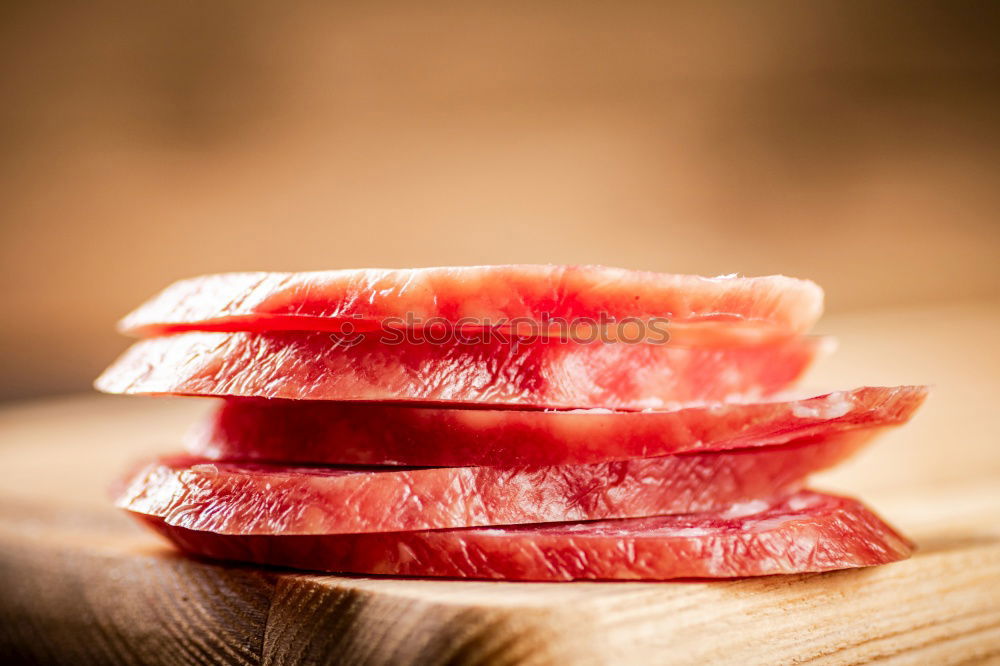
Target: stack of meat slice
x,y
508,422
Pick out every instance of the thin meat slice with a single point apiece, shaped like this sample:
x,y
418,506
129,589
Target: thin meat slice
x,y
523,373
532,299
254,498
319,432
806,532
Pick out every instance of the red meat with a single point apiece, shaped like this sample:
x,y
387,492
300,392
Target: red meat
x,y
525,298
254,498
523,373
319,432
806,532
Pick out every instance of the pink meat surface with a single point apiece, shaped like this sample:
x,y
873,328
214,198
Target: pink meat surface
x,y
479,295
254,498
806,532
319,432
523,373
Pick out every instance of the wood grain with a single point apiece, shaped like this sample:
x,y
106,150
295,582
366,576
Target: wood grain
x,y
80,584
80,588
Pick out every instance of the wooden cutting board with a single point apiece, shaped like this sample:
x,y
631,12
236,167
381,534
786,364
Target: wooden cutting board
x,y
79,584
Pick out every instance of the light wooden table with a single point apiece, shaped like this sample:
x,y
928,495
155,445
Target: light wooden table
x,y
79,584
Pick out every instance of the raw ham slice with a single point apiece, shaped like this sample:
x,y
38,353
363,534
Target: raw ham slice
x,y
360,434
528,299
807,532
249,498
523,373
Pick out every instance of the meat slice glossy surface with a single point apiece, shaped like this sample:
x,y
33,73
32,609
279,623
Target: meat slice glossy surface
x,y
524,373
308,431
254,498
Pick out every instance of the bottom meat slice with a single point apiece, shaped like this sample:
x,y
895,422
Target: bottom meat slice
x,y
805,532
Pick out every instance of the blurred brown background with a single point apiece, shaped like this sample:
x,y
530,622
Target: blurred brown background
x,y
855,143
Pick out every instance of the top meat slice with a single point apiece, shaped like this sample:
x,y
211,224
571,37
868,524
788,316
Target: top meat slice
x,y
549,300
